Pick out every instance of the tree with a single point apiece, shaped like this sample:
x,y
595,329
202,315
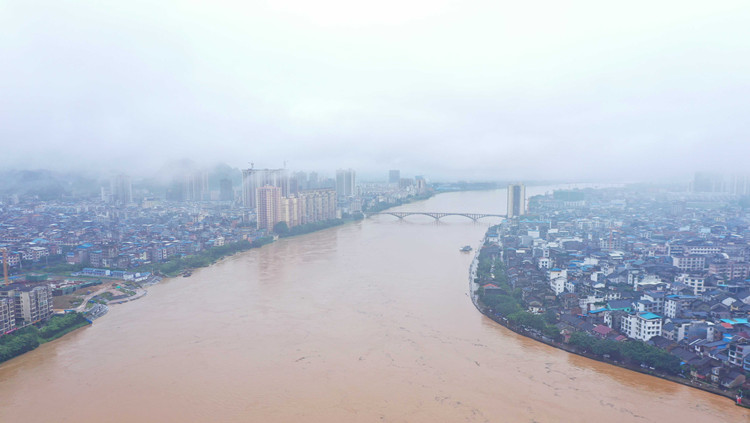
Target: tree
x,y
551,331
527,319
281,228
582,341
502,304
550,316
605,347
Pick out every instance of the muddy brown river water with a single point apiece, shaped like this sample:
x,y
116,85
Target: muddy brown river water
x,y
367,322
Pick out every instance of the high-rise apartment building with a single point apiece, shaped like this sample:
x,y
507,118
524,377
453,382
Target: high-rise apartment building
x,y
248,188
121,190
300,180
290,211
707,182
252,179
225,190
269,206
308,207
313,182
516,200
394,176
31,303
345,183
739,184
195,187
317,205
106,194
7,316
421,184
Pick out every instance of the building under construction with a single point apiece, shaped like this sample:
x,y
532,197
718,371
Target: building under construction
x,y
252,179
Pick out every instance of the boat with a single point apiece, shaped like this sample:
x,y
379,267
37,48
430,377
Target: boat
x,y
187,274
465,248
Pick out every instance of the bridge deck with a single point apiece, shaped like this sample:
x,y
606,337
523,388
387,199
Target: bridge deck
x,y
438,215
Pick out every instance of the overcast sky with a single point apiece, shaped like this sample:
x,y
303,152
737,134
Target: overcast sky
x,y
449,89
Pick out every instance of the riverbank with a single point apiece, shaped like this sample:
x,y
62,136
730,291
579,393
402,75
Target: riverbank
x,y
284,231
178,265
539,337
183,265
407,200
29,338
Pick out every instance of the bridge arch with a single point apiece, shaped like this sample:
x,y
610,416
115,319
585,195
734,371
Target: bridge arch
x,y
438,215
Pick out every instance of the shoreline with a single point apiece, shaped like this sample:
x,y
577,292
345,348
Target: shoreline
x,y
522,331
61,335
31,337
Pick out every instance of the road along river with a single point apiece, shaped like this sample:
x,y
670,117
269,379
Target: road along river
x,y
367,322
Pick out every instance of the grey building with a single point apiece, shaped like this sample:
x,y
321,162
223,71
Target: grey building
x,y
394,176
345,183
516,200
31,303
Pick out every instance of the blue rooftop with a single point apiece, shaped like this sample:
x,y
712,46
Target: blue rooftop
x,y
734,321
649,316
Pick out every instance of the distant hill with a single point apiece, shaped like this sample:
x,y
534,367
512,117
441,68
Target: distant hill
x,y
47,184
55,185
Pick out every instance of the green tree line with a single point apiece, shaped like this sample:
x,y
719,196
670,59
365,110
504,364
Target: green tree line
x,y
207,256
17,343
510,308
635,352
28,338
283,230
60,325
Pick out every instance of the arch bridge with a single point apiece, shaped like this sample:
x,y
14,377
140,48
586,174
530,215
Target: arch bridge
x,y
438,215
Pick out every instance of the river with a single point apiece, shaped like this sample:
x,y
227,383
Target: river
x,y
367,322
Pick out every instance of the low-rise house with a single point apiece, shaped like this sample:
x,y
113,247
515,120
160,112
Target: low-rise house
x,y
602,331
738,350
642,326
731,378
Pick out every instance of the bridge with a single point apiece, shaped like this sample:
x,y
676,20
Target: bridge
x,y
437,215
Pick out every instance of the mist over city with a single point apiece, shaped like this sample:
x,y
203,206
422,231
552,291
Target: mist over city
x,y
583,91
388,211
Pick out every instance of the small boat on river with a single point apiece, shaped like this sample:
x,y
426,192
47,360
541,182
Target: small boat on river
x,y
465,248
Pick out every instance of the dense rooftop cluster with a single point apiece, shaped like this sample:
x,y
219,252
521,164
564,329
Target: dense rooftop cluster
x,y
115,237
669,269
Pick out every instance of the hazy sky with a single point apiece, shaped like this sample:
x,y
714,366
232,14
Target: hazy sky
x,y
452,89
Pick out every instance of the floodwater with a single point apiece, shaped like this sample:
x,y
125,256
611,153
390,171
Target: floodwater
x,y
368,322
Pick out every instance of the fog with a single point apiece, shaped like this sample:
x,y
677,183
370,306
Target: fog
x,y
450,89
